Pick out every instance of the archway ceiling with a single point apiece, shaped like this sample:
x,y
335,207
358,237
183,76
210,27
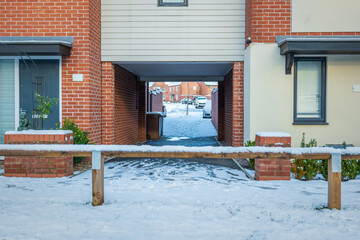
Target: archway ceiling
x,y
178,71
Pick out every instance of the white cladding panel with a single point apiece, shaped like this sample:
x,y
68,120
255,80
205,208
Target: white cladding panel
x,y
139,30
325,16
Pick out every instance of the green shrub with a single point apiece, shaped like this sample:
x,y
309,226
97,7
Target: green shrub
x,y
349,168
307,168
251,160
80,136
324,168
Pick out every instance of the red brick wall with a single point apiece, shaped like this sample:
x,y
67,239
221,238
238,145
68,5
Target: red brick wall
x,y
266,19
214,109
205,90
187,90
80,19
248,19
228,108
95,71
221,111
108,103
35,166
231,107
272,168
238,104
141,107
124,106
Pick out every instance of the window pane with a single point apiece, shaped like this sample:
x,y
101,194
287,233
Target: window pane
x,y
309,89
172,2
7,97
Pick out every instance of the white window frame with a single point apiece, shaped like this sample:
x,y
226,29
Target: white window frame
x,y
165,3
17,60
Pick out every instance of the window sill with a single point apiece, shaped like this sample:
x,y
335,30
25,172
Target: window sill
x,y
310,123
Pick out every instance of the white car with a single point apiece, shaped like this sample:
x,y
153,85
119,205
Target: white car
x,y
207,109
200,102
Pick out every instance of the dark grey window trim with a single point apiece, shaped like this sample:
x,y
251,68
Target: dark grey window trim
x,y
311,121
162,3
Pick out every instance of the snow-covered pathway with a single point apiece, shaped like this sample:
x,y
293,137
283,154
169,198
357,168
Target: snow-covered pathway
x,y
165,199
178,124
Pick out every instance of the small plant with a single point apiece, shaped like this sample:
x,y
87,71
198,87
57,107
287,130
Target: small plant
x,y
251,160
307,168
80,136
43,109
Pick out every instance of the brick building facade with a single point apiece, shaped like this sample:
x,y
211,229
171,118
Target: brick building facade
x,y
175,92
102,86
78,19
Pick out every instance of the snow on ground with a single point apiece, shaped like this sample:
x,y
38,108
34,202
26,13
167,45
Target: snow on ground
x,y
167,199
178,124
175,199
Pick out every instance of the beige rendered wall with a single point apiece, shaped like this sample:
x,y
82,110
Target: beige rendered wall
x,y
325,16
271,97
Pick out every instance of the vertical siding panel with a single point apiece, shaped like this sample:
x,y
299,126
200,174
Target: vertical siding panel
x,y
139,30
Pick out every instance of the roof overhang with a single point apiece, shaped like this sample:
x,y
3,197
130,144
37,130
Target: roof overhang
x,y
289,46
178,71
43,46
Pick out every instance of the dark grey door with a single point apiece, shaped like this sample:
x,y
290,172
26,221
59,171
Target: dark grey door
x,y
42,77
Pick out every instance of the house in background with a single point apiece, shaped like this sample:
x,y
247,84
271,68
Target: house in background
x,y
206,88
176,91
163,87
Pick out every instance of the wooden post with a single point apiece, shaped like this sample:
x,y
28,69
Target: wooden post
x,y
334,181
97,178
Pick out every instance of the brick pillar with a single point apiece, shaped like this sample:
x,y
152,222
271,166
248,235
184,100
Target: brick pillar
x,y
38,166
238,105
272,168
108,103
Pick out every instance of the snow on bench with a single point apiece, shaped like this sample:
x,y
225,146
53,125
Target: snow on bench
x,y
176,149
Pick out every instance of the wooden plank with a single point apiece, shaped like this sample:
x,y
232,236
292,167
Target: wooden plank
x,y
11,153
98,184
350,157
334,182
133,154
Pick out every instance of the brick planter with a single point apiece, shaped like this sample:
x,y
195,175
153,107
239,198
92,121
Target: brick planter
x,y
38,166
272,169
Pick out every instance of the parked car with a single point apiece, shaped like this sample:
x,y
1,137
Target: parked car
x,y
185,100
207,109
200,102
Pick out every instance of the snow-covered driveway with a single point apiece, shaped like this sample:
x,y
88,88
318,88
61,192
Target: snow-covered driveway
x,y
175,199
178,124
165,199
